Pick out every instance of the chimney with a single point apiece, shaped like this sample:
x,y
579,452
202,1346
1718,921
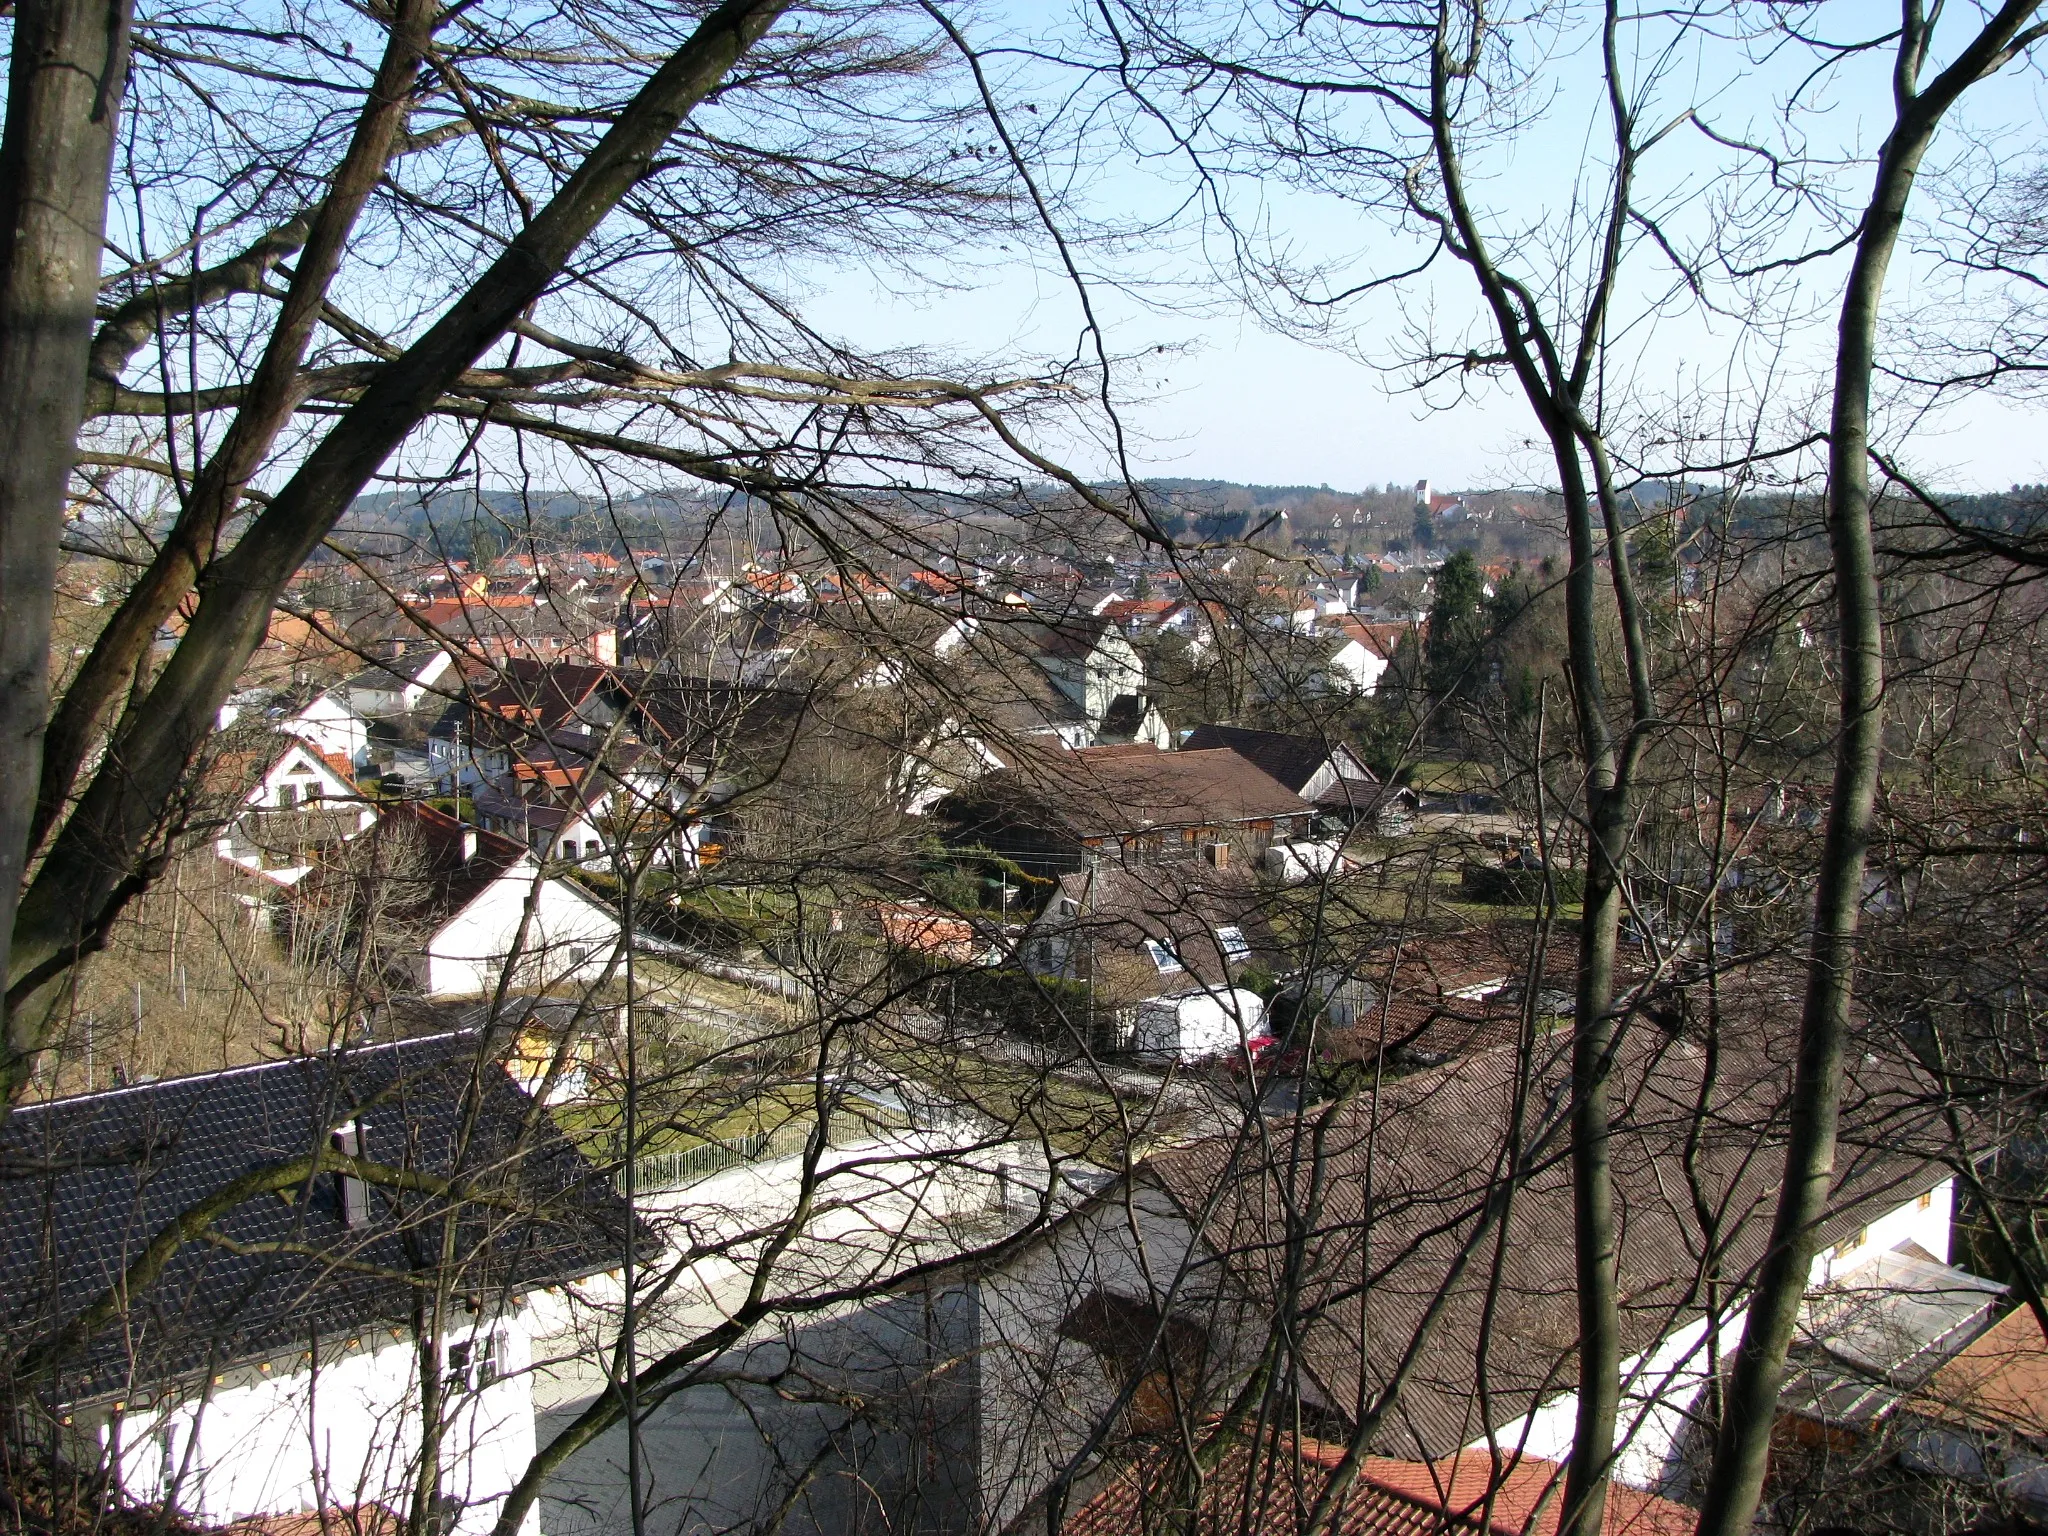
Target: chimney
x,y
1219,854
353,1193
468,844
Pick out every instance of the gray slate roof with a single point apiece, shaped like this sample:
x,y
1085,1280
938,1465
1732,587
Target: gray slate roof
x,y
86,1183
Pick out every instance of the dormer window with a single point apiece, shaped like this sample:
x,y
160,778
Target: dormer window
x,y
1163,959
352,1193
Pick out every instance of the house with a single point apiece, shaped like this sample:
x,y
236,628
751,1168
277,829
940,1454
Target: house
x,y
270,1364
458,904
1360,651
555,810
1982,1415
588,811
1330,775
333,727
1089,687
1136,616
522,711
1872,1335
401,684
297,803
1162,948
839,1417
1055,811
1086,659
1190,1240
1271,1488
1010,686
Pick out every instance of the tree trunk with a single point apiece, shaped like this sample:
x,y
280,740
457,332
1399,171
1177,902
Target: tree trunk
x,y
65,81
1742,1453
81,882
271,398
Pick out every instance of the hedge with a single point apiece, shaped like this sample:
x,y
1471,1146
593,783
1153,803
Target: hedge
x,y
1501,886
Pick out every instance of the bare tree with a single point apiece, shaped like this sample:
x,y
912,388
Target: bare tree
x,y
67,71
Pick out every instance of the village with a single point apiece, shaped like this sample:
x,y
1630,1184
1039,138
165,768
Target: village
x,y
772,768
896,964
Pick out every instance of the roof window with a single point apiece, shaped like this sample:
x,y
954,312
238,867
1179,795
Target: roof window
x,y
1163,959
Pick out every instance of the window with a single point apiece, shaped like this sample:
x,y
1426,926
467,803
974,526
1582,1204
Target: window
x,y
475,1363
313,793
1163,959
578,953
1235,946
1927,1200
1160,1357
287,796
352,1195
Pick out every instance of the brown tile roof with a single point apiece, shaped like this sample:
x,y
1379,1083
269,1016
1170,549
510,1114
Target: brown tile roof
x,y
1104,791
1293,760
1429,1150
1998,1382
925,930
433,872
1468,1493
335,1520
1139,607
536,695
1181,906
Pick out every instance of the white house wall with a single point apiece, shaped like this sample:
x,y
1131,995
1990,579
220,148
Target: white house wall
x,y
883,1203
1359,666
341,1433
336,795
466,955
1042,1396
329,724
1662,1388
1199,1026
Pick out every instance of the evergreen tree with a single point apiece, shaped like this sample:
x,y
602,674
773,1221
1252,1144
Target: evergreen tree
x,y
1457,627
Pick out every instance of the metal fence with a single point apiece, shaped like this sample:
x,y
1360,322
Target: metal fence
x,y
673,1170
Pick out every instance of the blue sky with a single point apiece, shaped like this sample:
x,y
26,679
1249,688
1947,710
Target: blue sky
x,y
1232,400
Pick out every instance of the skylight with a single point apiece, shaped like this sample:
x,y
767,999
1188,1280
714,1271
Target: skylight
x,y
1235,945
1162,957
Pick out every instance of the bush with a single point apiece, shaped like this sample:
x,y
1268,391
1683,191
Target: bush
x,y
1500,886
1040,1005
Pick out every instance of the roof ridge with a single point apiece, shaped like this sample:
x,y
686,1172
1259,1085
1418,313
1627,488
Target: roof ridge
x,y
251,1066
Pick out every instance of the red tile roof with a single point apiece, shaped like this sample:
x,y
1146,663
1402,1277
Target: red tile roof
x,y
1998,1382
1468,1492
1381,639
